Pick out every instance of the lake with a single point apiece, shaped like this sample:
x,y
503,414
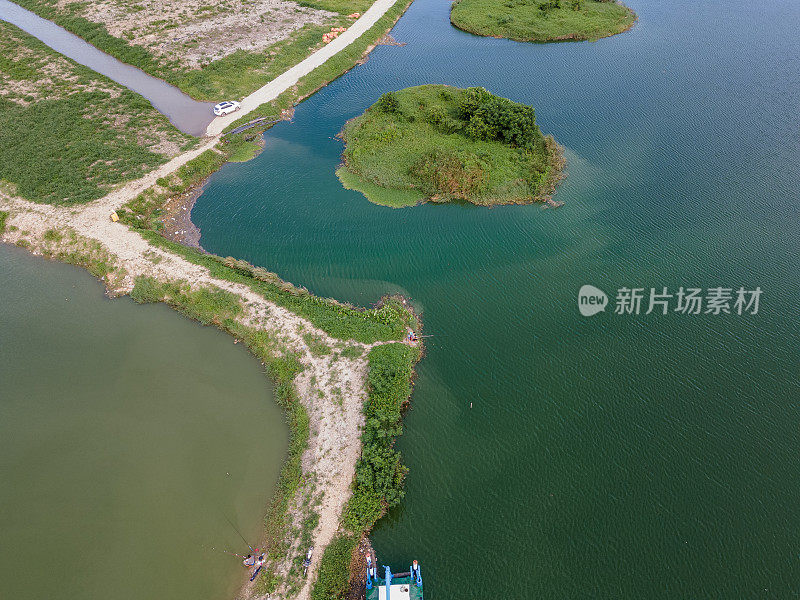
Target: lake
x,y
554,455
135,445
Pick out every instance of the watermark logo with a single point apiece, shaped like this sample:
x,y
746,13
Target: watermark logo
x,y
684,300
591,300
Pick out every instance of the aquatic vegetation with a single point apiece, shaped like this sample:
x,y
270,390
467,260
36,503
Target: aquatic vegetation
x,y
542,20
440,143
244,152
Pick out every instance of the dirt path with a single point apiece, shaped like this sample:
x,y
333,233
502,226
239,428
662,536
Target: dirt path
x,y
287,79
332,387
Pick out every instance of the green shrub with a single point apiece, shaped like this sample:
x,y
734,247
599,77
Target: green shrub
x,y
388,103
380,474
494,118
334,568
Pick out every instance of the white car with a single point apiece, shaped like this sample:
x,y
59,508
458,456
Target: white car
x,y
226,108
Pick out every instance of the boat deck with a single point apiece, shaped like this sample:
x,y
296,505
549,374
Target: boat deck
x,y
402,588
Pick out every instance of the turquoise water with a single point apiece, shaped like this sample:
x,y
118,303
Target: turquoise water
x,y
554,455
133,444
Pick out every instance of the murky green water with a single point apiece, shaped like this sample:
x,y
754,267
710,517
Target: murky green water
x,y
551,455
132,441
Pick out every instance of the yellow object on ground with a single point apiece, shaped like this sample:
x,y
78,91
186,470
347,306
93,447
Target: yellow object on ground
x,y
114,216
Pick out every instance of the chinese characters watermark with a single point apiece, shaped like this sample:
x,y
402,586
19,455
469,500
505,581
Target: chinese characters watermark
x,y
684,300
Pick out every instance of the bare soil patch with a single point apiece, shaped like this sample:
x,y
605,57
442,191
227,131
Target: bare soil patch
x,y
196,32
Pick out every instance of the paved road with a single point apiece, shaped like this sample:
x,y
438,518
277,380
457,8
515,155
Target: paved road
x,y
287,79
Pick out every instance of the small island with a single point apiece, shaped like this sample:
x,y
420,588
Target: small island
x,y
543,20
440,143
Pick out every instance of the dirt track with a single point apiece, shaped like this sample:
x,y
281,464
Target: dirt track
x,y
290,77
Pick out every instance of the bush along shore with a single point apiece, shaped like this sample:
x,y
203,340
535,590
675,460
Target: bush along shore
x,y
332,69
379,473
330,361
543,20
440,143
341,372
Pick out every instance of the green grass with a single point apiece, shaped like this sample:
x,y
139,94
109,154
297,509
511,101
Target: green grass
x,y
240,73
244,151
334,569
68,141
422,145
334,67
344,7
378,483
542,20
210,307
3,217
231,77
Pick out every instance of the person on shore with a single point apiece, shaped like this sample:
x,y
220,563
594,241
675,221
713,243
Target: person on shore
x,y
249,560
260,561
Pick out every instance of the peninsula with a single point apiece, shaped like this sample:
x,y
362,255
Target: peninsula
x,y
543,20
439,143
106,166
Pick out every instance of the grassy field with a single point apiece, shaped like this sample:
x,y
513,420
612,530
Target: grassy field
x,y
69,134
334,67
228,77
542,20
344,7
440,143
237,75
